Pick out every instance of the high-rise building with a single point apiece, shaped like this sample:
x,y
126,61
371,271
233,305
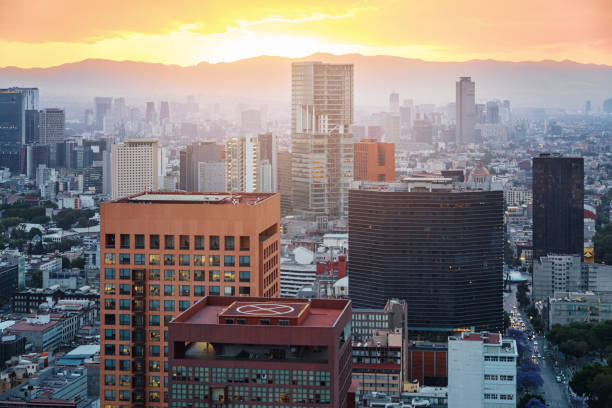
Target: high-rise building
x,y
492,112
36,155
482,370
164,111
102,108
250,120
607,106
466,110
394,102
556,273
322,146
52,124
268,157
422,131
587,107
135,167
391,124
150,114
190,159
558,205
12,127
242,164
259,352
211,177
374,161
434,243
32,126
284,182
93,179
163,252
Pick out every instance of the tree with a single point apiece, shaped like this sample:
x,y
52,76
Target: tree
x,y
594,382
37,279
528,379
506,320
521,294
528,399
65,263
78,263
535,403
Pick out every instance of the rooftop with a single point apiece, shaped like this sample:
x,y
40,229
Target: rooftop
x,y
197,198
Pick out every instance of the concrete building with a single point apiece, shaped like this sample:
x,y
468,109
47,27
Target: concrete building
x,y
242,164
52,125
391,126
377,363
44,332
298,271
567,307
102,108
466,111
135,167
426,363
12,128
259,351
374,161
517,196
365,322
481,371
29,300
162,252
321,144
284,182
190,159
556,273
211,177
597,278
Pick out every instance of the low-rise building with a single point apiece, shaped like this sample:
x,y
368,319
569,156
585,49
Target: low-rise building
x,y
28,300
427,363
481,371
567,307
43,332
556,273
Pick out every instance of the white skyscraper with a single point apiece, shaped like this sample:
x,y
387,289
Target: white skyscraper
x,y
241,164
466,111
52,124
135,167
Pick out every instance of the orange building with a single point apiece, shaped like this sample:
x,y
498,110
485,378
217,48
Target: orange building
x,y
374,161
162,252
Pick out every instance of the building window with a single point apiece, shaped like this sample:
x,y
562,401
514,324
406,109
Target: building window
x,y
198,242
214,276
124,304
229,276
168,259
213,290
109,273
139,259
245,276
124,395
184,290
109,288
214,243
229,291
169,274
198,260
199,291
125,241
109,334
124,350
154,335
124,320
214,260
124,289
154,305
109,259
153,241
154,320
109,349
244,291
124,335
154,351
245,260
109,395
109,241
168,290
154,259
124,274
154,366
154,274
109,379
198,276
245,243
184,275
229,260
184,242
183,305
139,241
229,243
109,304
169,241
124,259
154,290
169,305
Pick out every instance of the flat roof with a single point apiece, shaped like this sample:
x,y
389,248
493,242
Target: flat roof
x,y
202,198
265,309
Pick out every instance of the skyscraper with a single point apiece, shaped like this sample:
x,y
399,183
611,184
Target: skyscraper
x,y
322,147
102,107
32,126
394,102
164,111
161,253
52,124
284,182
466,110
150,114
558,205
12,128
241,164
191,156
135,167
434,243
492,112
268,159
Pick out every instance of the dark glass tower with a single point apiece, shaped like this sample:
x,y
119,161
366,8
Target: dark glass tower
x,y
12,128
439,249
558,205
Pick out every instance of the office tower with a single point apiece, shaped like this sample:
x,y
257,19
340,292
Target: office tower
x,y
164,111
322,147
587,107
433,243
135,167
268,152
558,205
102,107
12,128
250,120
422,131
466,110
119,108
374,161
284,182
405,113
161,253
607,106
492,112
93,179
211,177
191,156
241,164
150,113
32,126
391,124
30,97
107,172
556,273
251,352
36,155
482,370
394,102
97,147
52,125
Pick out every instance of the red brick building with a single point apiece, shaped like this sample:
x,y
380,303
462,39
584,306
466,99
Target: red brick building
x,y
374,161
256,352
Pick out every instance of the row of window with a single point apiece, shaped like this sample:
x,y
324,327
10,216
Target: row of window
x,y
169,290
124,365
183,260
499,358
254,376
183,275
495,377
185,242
509,397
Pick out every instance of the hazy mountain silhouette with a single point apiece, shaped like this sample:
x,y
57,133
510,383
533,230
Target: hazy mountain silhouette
x,y
546,83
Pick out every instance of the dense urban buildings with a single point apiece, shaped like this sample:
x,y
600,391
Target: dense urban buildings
x,y
259,351
284,181
558,205
482,369
12,127
161,252
377,363
191,168
436,244
374,161
135,167
466,110
52,123
556,273
321,143
102,107
242,164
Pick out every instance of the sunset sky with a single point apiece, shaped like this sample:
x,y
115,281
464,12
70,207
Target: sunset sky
x,y
42,33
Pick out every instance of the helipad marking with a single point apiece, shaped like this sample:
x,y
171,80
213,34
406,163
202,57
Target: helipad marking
x,y
265,309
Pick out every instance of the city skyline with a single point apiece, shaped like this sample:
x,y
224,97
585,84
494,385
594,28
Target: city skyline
x,y
190,32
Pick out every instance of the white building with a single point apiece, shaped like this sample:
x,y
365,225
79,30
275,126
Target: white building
x,y
556,273
241,166
297,271
50,268
211,177
597,278
517,196
135,167
481,371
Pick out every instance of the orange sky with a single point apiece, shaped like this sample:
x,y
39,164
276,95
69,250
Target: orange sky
x,y
40,33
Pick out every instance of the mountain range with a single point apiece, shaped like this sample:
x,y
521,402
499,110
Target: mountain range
x,y
563,84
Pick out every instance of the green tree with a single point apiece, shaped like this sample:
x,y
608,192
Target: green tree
x,y
522,296
522,403
78,263
37,280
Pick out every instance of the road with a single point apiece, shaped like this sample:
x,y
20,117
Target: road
x,y
553,392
